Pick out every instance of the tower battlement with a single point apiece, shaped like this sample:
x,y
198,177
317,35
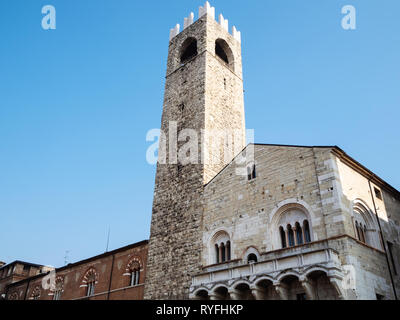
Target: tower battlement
x,y
206,9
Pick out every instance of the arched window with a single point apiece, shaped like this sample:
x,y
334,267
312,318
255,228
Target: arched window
x,y
135,277
299,233
251,258
134,274
361,231
358,231
365,225
58,288
189,49
220,52
36,293
224,52
223,252
228,250
89,281
220,246
283,237
133,270
290,235
293,226
90,288
13,296
307,236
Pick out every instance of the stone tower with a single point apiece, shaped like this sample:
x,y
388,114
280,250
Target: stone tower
x,y
203,105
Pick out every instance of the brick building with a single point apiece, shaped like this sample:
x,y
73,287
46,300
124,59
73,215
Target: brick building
x,y
17,271
114,275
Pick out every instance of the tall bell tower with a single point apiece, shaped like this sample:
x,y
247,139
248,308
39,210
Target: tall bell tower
x,y
204,109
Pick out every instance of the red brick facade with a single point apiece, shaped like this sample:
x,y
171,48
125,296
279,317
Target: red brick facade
x,y
109,275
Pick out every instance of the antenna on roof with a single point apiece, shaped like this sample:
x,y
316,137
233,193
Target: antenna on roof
x,y
108,238
66,257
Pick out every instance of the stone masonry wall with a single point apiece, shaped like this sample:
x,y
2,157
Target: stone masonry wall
x,y
245,209
190,97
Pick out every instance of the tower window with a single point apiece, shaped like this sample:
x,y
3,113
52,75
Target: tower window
x,y
189,49
219,51
224,52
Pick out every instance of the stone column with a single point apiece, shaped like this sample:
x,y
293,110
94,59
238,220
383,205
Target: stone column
x,y
257,293
287,238
234,294
282,290
308,287
214,296
337,284
227,248
294,235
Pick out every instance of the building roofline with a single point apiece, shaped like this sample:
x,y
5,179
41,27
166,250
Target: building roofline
x,y
292,146
264,144
105,254
364,171
354,164
70,265
22,262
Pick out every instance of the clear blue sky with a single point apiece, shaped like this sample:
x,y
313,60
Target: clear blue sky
x,y
76,104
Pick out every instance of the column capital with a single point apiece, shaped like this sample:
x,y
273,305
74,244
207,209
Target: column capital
x,y
308,287
235,294
281,289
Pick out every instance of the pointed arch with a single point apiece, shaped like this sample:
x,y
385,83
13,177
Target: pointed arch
x,y
89,281
365,224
